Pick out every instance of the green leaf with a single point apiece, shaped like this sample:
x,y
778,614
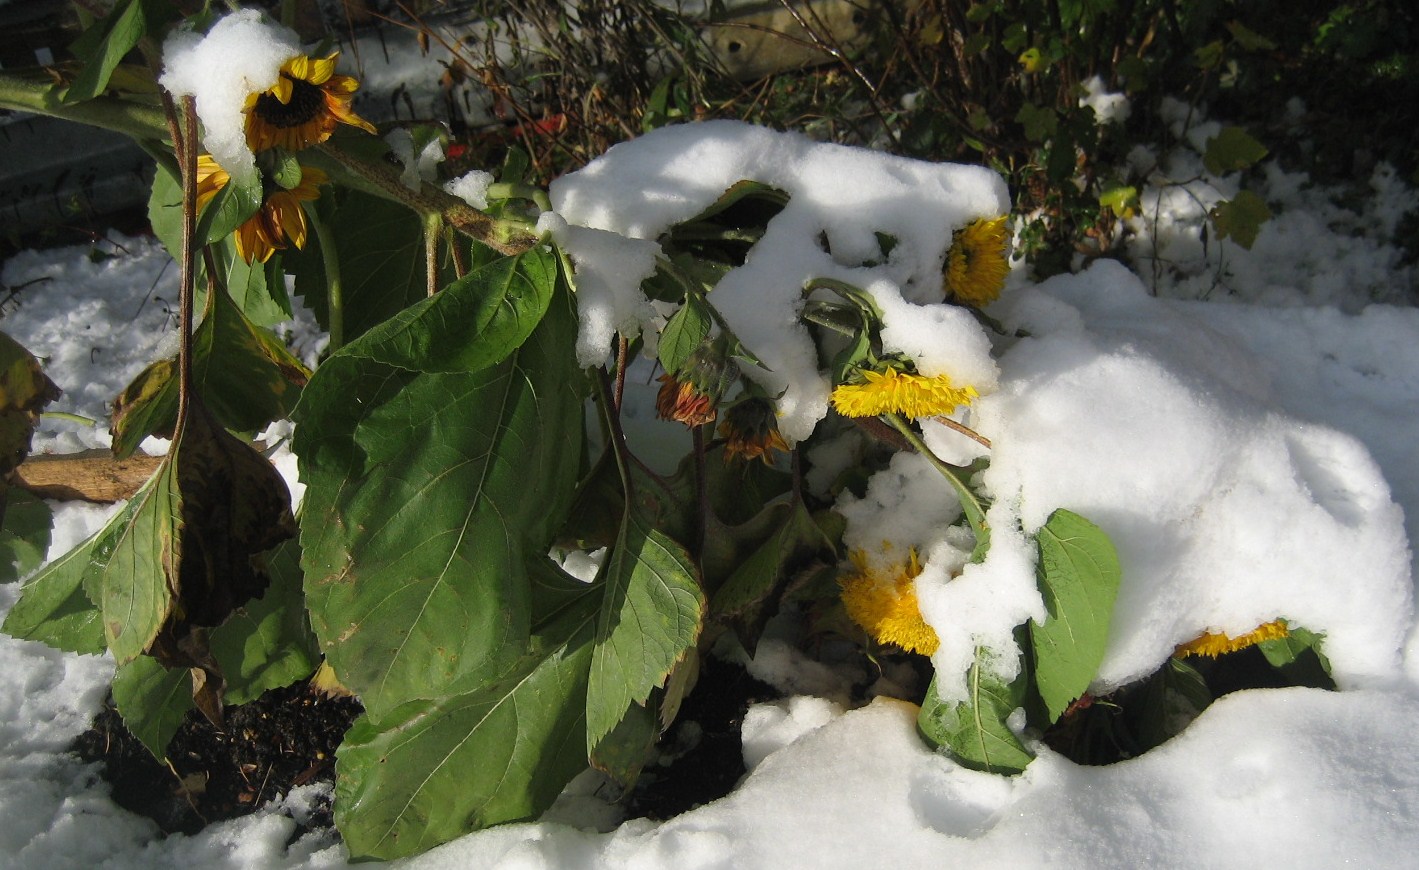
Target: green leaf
x,y
268,643
131,562
427,493
380,248
24,539
650,614
1249,39
1240,219
757,579
24,391
1283,651
974,730
258,289
229,209
53,608
623,753
288,171
1120,199
1078,575
431,771
244,374
122,29
153,700
471,324
1231,149
683,332
232,205
1172,698
1040,122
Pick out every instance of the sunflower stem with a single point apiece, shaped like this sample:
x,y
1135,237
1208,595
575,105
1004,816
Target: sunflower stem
x,y
975,512
433,228
503,235
134,120
334,289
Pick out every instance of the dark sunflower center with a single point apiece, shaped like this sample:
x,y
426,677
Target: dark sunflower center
x,y
305,105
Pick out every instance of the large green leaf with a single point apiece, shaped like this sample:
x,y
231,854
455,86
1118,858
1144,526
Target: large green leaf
x,y
651,613
153,700
426,493
974,730
471,324
131,566
431,771
53,608
1078,575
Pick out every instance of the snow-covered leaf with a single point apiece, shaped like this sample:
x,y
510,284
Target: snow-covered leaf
x,y
975,730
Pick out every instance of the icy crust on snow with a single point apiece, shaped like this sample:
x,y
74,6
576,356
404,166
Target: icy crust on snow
x,y
1229,504
242,54
640,189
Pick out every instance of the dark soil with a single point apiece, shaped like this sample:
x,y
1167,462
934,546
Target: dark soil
x,y
288,737
702,754
284,739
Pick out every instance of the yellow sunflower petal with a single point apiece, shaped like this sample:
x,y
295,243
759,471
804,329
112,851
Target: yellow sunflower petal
x,y
978,261
318,72
885,604
894,392
1214,644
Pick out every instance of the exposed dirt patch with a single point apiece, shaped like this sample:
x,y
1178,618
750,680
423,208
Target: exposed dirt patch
x,y
285,738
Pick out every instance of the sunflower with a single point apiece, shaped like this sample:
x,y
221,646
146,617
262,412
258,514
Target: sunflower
x,y
303,107
905,393
750,430
885,603
279,220
976,265
1214,644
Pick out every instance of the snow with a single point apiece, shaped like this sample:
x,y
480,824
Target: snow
x,y
242,54
1251,457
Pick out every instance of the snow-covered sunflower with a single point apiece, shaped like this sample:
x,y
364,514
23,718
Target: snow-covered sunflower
x,y
303,107
895,392
280,220
885,604
1214,644
976,264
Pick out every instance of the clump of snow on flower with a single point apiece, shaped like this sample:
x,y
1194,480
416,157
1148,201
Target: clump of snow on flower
x,y
1227,510
839,200
242,54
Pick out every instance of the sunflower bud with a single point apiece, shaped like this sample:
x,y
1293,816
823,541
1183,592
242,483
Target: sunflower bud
x,y
750,430
691,395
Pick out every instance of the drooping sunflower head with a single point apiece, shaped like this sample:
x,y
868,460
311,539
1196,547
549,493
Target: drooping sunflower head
x,y
977,263
279,222
884,602
303,107
1214,644
891,391
691,395
750,430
